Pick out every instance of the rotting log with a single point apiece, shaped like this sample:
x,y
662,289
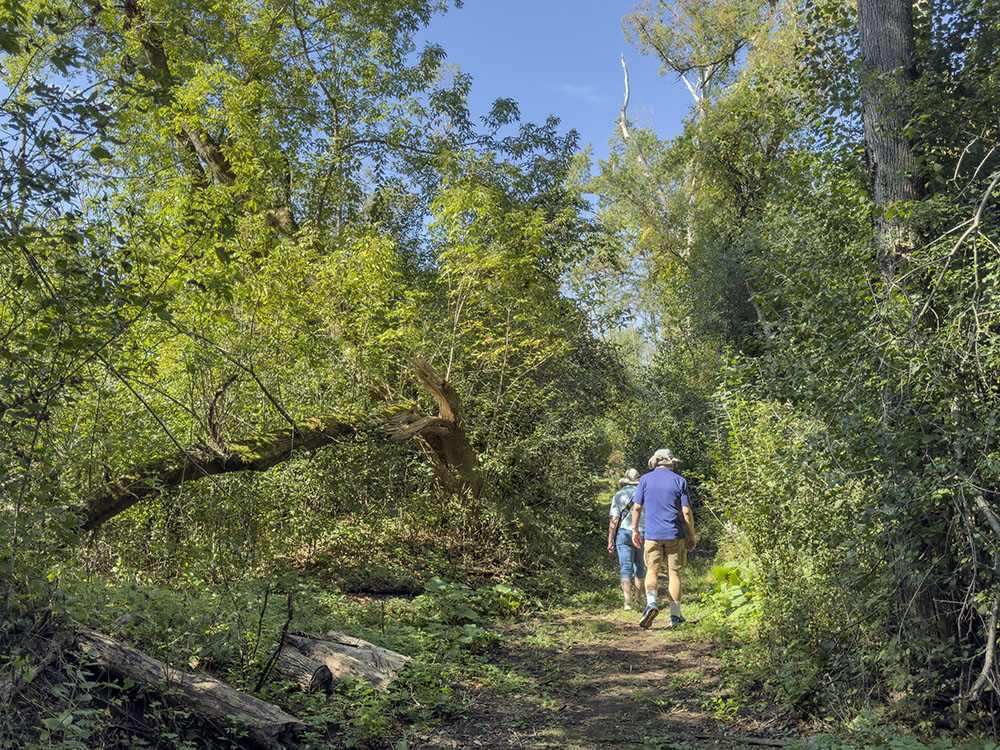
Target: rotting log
x,y
259,454
267,726
311,675
387,659
346,656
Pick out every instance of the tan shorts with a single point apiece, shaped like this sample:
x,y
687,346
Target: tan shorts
x,y
675,550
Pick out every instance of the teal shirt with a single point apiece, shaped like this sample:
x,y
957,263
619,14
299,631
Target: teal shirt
x,y
619,501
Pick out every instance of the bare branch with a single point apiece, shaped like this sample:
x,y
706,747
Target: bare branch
x,y
631,142
991,642
976,221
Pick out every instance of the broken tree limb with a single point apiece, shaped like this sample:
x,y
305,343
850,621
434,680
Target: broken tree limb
x,y
346,656
443,438
268,727
258,454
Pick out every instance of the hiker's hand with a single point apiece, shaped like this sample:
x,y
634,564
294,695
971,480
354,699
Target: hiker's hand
x,y
636,539
691,543
611,546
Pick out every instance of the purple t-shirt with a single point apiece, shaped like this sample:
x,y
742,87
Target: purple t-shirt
x,y
662,493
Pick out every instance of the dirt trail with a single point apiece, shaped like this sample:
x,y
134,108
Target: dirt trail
x,y
581,682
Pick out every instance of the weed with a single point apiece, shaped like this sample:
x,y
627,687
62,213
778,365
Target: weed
x,y
723,708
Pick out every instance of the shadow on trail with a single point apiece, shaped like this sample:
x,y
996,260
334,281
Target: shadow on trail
x,y
590,681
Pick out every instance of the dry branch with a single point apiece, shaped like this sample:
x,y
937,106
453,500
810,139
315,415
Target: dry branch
x,y
634,145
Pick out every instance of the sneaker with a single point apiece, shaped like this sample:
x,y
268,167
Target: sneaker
x,y
627,607
676,620
648,616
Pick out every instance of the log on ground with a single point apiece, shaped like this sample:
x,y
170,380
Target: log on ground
x,y
346,656
268,727
311,675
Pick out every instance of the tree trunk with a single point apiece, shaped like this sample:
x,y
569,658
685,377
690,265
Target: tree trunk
x,y
443,438
312,676
255,455
346,656
886,58
268,727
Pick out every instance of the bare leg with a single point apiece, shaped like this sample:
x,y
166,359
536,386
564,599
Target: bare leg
x,y
652,578
627,590
675,587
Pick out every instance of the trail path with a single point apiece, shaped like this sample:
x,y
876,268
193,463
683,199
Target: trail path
x,y
588,681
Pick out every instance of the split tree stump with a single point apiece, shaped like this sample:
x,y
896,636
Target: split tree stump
x,y
344,655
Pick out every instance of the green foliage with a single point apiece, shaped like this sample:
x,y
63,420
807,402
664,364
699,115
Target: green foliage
x,y
459,604
324,208
848,446
888,738
735,593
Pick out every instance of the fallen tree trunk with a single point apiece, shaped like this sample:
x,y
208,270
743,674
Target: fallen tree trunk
x,y
311,675
346,656
442,439
268,727
255,455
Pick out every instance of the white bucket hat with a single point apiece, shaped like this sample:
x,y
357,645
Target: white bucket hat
x,y
663,455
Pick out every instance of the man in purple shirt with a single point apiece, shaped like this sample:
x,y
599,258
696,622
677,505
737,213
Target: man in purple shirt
x,y
669,531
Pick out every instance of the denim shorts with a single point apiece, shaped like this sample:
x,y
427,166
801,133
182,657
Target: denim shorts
x,y
630,560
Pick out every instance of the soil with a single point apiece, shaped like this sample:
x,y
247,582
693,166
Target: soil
x,y
583,682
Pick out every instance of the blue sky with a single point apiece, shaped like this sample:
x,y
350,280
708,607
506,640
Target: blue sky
x,y
559,57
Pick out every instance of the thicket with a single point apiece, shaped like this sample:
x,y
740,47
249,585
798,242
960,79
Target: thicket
x,y
231,235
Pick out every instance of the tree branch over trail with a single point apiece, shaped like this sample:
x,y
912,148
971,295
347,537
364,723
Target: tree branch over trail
x,y
258,454
442,440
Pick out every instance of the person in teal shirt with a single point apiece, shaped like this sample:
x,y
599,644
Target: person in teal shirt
x,y
630,562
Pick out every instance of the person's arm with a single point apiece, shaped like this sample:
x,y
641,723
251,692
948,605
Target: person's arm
x,y
636,510
611,533
692,538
